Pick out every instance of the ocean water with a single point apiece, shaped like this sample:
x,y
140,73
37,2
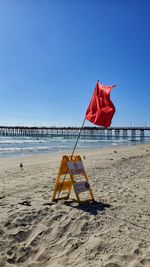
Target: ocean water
x,y
25,146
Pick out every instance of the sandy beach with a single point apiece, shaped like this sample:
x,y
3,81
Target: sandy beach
x,y
112,232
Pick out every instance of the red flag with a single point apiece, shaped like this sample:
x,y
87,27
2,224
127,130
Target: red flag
x,y
101,109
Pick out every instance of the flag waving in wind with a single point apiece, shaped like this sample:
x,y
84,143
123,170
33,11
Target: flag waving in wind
x,y
101,109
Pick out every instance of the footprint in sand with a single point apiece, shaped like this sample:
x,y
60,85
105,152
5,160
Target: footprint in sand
x,y
20,236
121,261
111,264
145,262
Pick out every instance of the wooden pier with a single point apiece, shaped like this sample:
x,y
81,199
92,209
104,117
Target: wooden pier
x,y
72,132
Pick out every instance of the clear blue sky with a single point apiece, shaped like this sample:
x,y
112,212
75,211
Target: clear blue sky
x,y
53,52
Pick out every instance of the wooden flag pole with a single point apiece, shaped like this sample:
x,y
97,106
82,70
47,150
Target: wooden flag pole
x,y
72,155
78,137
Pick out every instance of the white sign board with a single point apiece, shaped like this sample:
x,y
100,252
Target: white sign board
x,y
81,187
76,167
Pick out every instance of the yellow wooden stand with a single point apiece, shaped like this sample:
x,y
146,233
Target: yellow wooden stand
x,y
72,175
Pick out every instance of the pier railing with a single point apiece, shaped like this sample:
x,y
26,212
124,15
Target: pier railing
x,y
112,132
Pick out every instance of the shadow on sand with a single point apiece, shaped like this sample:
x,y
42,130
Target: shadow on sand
x,y
91,207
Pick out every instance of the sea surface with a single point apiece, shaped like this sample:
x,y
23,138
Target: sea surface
x,y
25,146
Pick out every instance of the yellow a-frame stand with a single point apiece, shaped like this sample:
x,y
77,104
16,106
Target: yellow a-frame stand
x,y
72,175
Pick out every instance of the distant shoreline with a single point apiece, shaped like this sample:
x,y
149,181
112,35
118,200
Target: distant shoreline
x,y
27,146
78,150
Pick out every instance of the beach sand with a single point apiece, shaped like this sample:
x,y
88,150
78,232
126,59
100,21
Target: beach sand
x,y
112,232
